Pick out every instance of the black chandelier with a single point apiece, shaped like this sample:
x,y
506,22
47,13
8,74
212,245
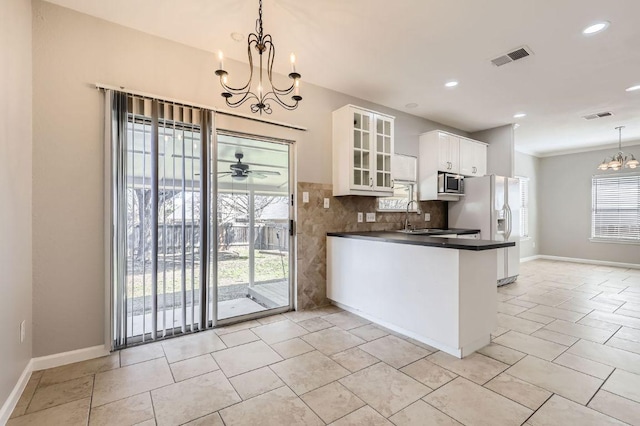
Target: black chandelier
x,y
262,43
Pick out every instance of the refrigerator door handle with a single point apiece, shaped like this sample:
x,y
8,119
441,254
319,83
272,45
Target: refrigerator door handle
x,y
508,222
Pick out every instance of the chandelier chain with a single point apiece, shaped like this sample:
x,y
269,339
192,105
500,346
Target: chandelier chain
x,y
259,21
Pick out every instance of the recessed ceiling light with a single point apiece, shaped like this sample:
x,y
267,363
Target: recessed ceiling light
x,y
633,88
411,105
519,115
596,28
452,83
237,36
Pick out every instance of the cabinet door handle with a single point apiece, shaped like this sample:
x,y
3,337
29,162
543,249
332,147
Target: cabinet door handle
x,y
393,183
371,182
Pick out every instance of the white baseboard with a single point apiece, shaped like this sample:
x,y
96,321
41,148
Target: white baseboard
x,y
14,396
590,261
530,258
44,362
70,357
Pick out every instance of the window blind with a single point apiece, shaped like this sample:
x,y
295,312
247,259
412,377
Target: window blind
x,y
524,207
615,211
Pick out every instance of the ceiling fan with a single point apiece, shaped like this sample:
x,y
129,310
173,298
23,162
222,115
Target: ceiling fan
x,y
240,170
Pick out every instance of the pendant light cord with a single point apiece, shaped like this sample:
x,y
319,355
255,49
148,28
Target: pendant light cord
x,y
620,137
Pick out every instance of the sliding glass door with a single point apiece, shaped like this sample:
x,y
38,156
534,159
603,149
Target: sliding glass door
x,y
253,216
200,225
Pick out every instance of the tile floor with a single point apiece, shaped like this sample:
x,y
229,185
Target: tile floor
x,y
565,351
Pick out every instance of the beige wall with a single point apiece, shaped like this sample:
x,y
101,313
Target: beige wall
x,y
500,153
15,190
565,209
529,166
71,52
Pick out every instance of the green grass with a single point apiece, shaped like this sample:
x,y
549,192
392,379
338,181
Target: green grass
x,y
230,271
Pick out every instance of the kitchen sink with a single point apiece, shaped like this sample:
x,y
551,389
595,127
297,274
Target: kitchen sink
x,y
420,231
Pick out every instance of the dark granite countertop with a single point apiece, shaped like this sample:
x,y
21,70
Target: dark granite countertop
x,y
426,240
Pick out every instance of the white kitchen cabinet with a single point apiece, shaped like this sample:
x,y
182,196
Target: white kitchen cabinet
x,y
445,152
363,146
448,152
473,158
445,298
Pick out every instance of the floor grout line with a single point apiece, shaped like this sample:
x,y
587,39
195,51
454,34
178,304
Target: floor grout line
x,y
541,405
600,387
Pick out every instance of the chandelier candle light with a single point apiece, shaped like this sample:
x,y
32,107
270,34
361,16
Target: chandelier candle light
x,y
619,160
262,43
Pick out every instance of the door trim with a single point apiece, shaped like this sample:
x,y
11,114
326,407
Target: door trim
x,y
292,217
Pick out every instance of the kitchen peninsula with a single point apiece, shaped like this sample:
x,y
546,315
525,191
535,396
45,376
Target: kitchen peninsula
x,y
440,291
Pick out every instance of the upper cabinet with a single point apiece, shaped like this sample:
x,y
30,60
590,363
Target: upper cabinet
x,y
473,158
448,152
362,152
445,152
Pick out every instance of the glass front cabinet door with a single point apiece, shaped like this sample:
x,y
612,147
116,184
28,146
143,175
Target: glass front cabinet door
x,y
384,151
362,150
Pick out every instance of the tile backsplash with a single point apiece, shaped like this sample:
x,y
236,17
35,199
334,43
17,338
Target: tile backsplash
x,y
314,221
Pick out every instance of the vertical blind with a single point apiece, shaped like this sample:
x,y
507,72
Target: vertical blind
x,y
615,211
524,207
161,197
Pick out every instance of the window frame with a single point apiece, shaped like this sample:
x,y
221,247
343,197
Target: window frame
x,y
524,207
413,195
609,239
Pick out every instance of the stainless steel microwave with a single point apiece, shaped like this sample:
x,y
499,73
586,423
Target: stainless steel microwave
x,y
450,183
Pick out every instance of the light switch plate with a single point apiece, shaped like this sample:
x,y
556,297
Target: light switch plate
x,y
427,217
371,217
360,217
326,203
305,197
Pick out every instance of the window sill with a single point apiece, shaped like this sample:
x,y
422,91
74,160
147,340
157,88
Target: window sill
x,y
614,241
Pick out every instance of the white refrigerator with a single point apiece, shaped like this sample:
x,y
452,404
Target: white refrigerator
x,y
492,204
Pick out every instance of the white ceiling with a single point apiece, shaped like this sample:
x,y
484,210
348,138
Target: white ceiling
x,y
398,52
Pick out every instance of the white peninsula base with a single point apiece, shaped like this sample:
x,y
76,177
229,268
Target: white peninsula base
x,y
443,297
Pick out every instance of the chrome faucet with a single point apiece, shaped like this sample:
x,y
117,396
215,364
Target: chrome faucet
x,y
407,225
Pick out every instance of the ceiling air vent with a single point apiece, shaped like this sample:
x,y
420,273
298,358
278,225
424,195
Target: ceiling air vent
x,y
598,115
517,54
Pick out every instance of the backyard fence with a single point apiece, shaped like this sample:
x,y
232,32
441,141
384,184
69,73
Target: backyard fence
x,y
272,235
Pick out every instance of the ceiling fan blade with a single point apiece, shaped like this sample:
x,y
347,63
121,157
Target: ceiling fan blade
x,y
265,172
224,173
258,175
